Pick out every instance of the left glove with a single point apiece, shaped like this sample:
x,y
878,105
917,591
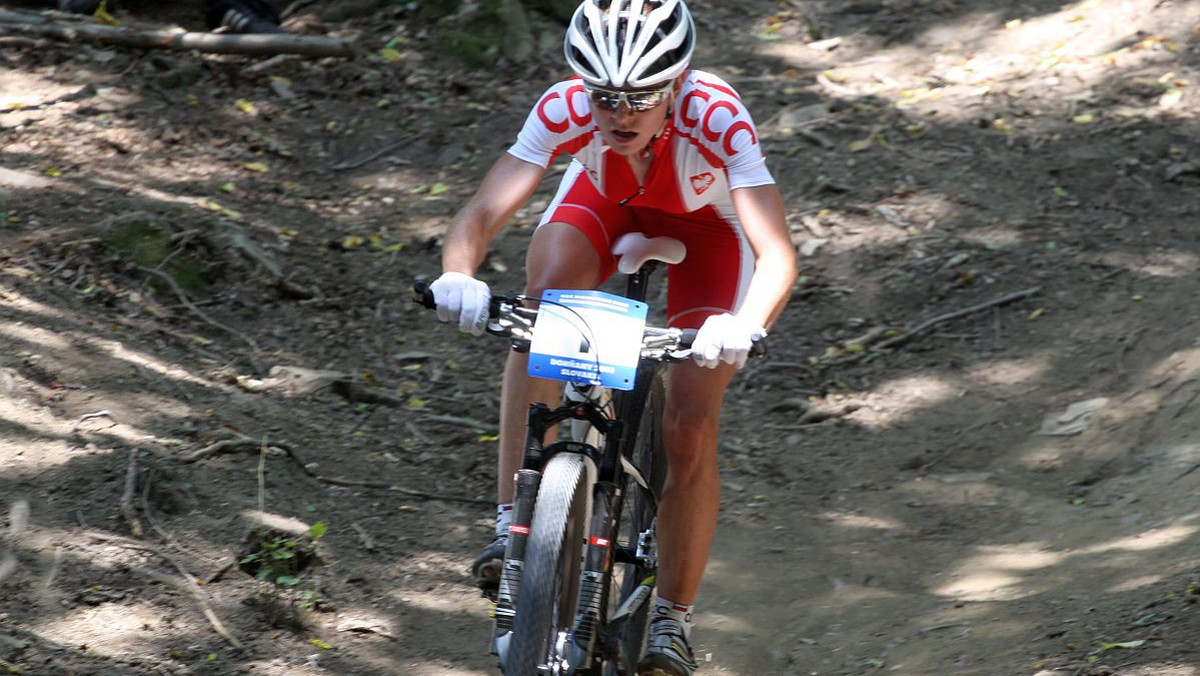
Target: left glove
x,y
725,338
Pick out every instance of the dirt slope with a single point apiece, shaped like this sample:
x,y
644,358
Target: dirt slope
x,y
996,208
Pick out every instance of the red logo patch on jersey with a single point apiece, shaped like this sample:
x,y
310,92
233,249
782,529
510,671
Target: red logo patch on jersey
x,y
701,182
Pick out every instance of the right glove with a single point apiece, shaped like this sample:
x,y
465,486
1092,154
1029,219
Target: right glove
x,y
464,299
724,338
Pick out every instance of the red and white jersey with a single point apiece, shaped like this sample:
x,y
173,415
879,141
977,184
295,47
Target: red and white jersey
x,y
709,147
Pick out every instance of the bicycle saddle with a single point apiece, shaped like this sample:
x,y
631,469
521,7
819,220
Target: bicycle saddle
x,y
634,249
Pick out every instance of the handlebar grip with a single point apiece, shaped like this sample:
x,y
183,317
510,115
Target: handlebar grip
x,y
758,347
423,294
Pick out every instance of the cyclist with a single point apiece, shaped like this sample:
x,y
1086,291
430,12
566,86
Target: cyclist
x,y
666,150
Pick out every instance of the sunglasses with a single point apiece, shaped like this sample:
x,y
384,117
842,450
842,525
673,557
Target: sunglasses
x,y
638,102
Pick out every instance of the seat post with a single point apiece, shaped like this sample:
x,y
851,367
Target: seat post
x,y
636,284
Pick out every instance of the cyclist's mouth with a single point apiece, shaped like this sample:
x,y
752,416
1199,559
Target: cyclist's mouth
x,y
624,135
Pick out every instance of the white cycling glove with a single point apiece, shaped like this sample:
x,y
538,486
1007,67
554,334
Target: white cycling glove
x,y
464,299
724,338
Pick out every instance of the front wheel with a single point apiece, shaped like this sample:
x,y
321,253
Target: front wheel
x,y
553,557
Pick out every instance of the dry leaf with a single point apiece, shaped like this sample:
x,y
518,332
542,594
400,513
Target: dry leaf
x,y
1170,99
103,16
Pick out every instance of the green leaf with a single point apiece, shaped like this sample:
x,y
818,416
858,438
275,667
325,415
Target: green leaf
x,y
287,580
1123,644
317,530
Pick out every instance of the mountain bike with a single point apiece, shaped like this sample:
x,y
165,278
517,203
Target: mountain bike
x,y
582,559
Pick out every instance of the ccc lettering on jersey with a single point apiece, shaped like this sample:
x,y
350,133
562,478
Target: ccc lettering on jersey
x,y
559,110
711,115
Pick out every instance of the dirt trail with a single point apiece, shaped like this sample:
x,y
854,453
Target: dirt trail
x,y
953,515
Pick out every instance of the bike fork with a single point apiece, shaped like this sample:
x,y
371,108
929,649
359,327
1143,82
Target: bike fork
x,y
528,481
597,561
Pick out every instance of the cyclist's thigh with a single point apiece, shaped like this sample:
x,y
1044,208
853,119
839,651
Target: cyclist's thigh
x,y
572,247
714,276
560,257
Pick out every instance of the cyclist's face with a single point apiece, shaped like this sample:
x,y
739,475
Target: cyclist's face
x,y
627,131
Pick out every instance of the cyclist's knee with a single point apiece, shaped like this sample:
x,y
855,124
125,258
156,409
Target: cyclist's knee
x,y
690,440
559,257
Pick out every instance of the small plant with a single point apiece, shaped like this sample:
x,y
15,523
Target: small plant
x,y
279,558
150,243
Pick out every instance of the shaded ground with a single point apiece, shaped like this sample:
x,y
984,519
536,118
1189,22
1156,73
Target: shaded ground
x,y
935,157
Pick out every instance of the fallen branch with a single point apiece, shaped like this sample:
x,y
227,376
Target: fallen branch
x,y
370,630
187,302
422,495
245,443
371,156
158,38
89,416
127,508
925,326
939,627
190,584
812,412
461,420
239,443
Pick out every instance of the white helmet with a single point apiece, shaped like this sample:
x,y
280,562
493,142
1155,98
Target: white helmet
x,y
630,43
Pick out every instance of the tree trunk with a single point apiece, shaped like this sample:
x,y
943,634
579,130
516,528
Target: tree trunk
x,y
256,45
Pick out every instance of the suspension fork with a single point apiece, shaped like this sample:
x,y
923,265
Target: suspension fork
x,y
528,480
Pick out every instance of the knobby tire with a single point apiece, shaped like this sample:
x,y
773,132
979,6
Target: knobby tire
x,y
553,559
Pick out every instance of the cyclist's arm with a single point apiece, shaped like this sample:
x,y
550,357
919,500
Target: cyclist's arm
x,y
507,185
760,209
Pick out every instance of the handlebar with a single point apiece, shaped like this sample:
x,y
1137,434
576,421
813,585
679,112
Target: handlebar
x,y
508,317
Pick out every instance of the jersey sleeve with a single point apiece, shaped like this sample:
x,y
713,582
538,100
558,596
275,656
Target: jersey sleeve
x,y
561,121
722,125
